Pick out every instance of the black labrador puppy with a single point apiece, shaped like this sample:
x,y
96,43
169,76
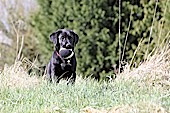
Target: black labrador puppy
x,y
58,67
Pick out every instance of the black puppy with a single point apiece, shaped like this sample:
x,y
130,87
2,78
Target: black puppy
x,y
58,67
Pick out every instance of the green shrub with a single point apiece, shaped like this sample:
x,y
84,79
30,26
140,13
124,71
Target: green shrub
x,y
97,24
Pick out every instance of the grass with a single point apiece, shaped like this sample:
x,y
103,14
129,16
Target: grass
x,y
145,89
20,92
63,98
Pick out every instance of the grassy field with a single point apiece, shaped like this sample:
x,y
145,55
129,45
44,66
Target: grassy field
x,y
128,93
122,96
84,96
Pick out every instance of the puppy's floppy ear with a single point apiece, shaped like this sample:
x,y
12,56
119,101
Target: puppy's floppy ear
x,y
76,37
54,36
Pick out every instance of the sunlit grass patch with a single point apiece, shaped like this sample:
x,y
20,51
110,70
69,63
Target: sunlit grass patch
x,y
141,107
115,96
16,77
155,71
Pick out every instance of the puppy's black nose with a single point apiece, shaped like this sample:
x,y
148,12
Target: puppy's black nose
x,y
68,46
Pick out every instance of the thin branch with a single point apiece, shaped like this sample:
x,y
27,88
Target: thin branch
x,y
126,37
119,35
20,51
17,36
151,28
135,52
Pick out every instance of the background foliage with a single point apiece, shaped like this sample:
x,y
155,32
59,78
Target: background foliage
x,y
14,26
97,24
144,23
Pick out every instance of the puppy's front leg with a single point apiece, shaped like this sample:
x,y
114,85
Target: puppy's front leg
x,y
72,78
53,72
55,67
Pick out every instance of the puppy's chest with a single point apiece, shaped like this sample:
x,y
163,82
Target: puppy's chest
x,y
67,61
66,64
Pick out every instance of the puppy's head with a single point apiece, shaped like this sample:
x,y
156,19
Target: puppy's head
x,y
63,38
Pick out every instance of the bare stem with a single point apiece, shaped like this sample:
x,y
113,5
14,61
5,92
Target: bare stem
x,y
151,29
119,35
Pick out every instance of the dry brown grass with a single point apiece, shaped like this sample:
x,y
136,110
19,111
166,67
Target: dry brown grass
x,y
15,76
154,71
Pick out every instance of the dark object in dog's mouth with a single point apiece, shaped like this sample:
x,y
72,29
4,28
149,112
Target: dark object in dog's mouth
x,y
66,53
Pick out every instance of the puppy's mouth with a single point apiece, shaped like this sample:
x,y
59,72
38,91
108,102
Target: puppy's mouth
x,y
67,47
63,48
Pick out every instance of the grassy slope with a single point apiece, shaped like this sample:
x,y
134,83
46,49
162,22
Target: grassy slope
x,y
46,98
145,89
30,94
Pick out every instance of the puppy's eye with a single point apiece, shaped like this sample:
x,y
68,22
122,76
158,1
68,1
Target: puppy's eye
x,y
62,37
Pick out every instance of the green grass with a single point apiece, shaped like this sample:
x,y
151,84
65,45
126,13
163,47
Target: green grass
x,y
145,89
47,97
